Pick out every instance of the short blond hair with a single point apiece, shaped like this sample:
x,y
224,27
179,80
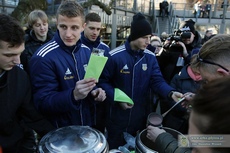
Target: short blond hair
x,y
35,15
70,9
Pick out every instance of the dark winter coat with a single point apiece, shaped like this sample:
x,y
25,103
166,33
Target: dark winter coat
x,y
31,46
16,107
177,118
166,143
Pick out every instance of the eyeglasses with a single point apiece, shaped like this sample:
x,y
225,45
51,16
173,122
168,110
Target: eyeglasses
x,y
199,59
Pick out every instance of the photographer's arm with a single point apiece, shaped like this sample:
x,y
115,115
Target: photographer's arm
x,y
185,52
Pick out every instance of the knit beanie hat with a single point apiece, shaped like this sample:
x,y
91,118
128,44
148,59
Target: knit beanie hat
x,y
140,27
188,26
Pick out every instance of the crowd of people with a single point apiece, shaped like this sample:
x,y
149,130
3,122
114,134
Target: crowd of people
x,y
202,9
43,85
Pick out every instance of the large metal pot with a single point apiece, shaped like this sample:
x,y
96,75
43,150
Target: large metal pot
x,y
74,139
144,145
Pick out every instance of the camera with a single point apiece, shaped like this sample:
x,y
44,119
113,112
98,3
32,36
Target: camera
x,y
174,38
178,35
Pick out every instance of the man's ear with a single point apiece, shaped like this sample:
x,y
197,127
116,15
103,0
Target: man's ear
x,y
223,72
84,25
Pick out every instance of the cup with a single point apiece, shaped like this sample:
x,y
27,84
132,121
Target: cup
x,y
154,119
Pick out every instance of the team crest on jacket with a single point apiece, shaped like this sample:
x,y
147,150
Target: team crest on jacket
x,y
98,52
144,67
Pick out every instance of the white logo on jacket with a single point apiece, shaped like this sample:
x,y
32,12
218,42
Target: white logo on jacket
x,y
68,72
68,75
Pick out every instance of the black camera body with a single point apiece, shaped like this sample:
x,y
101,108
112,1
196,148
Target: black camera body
x,y
185,34
174,38
179,35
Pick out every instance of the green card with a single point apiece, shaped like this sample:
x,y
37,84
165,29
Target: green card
x,y
120,96
95,66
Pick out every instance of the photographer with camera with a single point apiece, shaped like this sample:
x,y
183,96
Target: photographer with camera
x,y
178,48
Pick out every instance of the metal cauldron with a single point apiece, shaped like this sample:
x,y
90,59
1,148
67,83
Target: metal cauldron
x,y
144,145
74,139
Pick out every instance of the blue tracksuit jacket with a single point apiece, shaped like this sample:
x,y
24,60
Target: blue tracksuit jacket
x,y
55,69
135,73
94,44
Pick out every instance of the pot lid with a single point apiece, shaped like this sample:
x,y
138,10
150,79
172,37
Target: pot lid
x,y
73,139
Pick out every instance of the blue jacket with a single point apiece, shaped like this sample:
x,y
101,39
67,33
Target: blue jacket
x,y
177,118
55,69
134,73
183,83
94,44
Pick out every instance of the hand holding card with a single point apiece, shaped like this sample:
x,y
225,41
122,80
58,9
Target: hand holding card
x,y
95,66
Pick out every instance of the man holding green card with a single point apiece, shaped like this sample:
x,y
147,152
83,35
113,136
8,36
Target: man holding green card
x,y
61,91
130,72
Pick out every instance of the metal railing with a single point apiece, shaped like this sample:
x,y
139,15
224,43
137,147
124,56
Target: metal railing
x,y
174,21
219,16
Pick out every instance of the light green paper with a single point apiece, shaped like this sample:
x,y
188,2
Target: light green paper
x,y
120,96
95,66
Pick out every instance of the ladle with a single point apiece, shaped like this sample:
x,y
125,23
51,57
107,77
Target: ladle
x,y
182,99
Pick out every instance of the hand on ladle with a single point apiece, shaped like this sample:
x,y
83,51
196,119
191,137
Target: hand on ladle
x,y
188,100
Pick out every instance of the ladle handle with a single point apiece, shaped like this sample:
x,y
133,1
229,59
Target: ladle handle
x,y
182,99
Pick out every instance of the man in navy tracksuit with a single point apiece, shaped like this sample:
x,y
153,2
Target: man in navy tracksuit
x,y
91,34
57,73
91,38
134,70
